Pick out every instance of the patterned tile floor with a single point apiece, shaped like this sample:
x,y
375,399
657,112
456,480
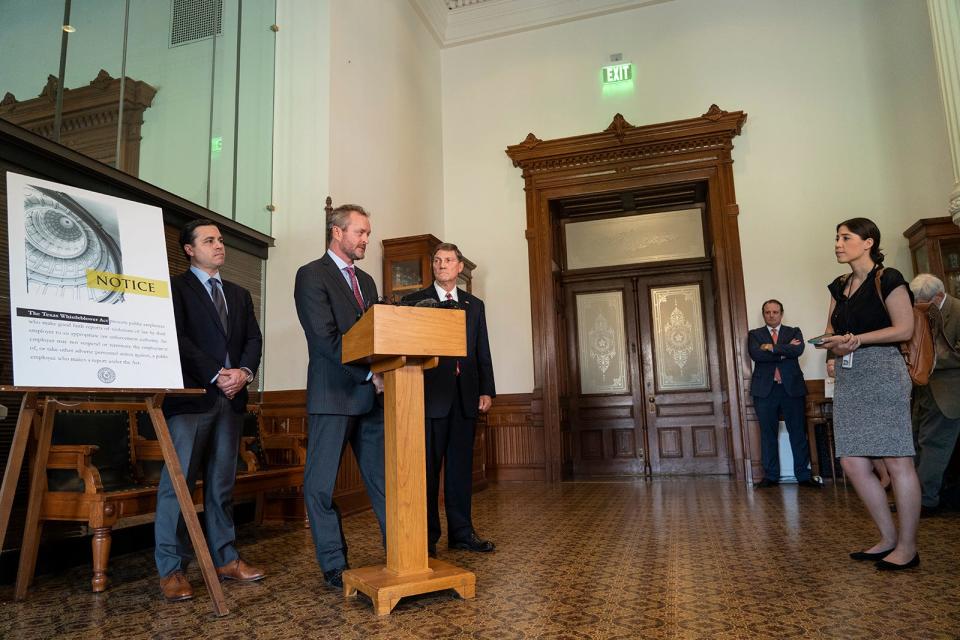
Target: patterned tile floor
x,y
672,558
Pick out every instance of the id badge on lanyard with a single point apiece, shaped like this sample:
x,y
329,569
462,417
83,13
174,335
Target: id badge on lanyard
x,y
847,362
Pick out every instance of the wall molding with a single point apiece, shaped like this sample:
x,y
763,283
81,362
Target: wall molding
x,y
472,21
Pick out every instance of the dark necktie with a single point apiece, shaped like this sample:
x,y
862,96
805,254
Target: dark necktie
x,y
450,297
219,302
355,285
776,370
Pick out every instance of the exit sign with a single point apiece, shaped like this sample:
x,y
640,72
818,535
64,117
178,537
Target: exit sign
x,y
617,73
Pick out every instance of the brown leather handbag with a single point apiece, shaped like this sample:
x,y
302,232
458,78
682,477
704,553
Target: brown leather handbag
x,y
919,351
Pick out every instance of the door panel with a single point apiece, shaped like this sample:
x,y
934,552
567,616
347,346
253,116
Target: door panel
x,y
644,383
606,429
681,374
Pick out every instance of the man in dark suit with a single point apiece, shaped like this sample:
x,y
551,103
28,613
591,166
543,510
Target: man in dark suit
x,y
455,392
220,344
777,387
331,294
936,406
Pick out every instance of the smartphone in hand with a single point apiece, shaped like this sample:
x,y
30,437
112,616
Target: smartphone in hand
x,y
819,339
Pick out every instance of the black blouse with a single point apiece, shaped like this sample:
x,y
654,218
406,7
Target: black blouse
x,y
864,310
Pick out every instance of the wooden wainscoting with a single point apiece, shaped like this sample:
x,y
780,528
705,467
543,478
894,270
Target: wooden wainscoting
x,y
515,446
814,401
286,412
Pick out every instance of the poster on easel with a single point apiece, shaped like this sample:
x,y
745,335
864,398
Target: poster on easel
x,y
90,301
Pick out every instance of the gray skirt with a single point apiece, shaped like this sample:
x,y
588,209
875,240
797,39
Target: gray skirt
x,y
871,405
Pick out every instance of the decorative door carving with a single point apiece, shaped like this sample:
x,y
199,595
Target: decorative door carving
x,y
645,386
606,431
683,408
623,157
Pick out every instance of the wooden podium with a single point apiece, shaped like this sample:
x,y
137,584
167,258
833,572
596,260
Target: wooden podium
x,y
401,342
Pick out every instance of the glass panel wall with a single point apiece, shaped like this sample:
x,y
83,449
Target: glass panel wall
x,y
196,80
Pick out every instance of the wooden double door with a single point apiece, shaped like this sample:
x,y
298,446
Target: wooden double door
x,y
644,388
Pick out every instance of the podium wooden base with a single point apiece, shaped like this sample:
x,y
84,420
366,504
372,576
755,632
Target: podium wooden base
x,y
386,588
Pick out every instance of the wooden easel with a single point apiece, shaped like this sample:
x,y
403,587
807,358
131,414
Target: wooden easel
x,y
401,342
37,411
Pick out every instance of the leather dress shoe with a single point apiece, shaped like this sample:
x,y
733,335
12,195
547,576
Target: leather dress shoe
x,y
176,587
472,543
432,549
866,555
763,484
241,571
929,512
334,577
815,483
883,565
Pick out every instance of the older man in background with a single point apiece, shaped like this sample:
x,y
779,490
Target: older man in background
x,y
936,406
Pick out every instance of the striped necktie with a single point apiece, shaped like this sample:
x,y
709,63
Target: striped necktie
x,y
354,284
218,301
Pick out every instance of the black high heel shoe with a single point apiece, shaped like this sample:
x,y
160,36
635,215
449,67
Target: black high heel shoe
x,y
883,565
866,555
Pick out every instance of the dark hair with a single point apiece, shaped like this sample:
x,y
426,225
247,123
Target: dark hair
x,y
867,230
446,246
189,232
340,218
771,300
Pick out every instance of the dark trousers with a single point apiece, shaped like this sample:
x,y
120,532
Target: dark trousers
x,y
450,445
211,441
769,410
327,439
935,436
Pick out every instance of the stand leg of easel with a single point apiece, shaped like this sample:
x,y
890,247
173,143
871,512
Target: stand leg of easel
x,y
408,570
38,486
18,448
186,506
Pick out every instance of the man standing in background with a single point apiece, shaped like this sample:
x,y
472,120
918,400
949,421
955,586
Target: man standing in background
x,y
455,391
936,405
777,387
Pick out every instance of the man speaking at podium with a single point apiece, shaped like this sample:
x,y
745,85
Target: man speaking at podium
x,y
220,344
331,295
455,392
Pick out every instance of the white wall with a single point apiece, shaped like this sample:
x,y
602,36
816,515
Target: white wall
x,y
357,117
301,179
844,120
385,135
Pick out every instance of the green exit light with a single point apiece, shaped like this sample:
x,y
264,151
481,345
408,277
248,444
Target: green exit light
x,y
617,73
216,145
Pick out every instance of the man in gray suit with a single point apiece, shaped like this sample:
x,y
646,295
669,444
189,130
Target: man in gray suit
x,y
342,400
936,406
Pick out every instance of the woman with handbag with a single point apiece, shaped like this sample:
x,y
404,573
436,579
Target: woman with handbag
x,y
871,409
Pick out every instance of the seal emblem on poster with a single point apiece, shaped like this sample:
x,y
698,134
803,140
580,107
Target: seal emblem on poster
x,y
107,375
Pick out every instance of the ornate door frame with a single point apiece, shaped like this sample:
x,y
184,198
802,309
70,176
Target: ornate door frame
x,y
623,156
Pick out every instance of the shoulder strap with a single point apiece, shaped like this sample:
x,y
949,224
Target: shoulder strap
x,y
876,281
